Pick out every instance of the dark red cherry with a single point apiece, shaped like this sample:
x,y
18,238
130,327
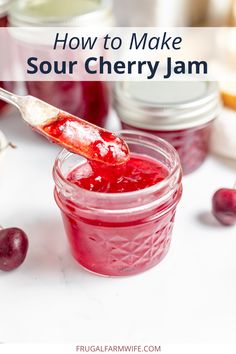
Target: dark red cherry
x,y
13,248
224,206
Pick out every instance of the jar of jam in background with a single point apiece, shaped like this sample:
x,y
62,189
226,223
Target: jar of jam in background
x,y
120,234
87,99
4,7
180,112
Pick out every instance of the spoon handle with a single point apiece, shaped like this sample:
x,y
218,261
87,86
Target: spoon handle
x,y
9,97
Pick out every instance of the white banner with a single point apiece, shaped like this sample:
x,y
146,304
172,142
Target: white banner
x,y
117,54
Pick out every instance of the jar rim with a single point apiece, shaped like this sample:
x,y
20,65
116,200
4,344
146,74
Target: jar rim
x,y
100,16
58,176
178,114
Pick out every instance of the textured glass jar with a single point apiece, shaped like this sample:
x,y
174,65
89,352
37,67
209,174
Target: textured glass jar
x,y
4,6
87,99
180,112
120,234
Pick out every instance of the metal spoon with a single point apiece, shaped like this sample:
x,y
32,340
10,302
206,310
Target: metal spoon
x,y
73,133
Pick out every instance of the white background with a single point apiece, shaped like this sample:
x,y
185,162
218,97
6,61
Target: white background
x,y
190,297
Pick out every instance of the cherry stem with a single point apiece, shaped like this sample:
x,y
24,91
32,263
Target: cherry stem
x,y
11,145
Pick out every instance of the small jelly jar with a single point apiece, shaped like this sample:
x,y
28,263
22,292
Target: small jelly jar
x,y
89,100
4,6
120,234
180,112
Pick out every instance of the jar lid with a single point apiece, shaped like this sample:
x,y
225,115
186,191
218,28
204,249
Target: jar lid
x,y
61,13
4,6
166,105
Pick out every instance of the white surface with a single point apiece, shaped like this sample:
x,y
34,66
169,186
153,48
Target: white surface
x,y
223,139
188,297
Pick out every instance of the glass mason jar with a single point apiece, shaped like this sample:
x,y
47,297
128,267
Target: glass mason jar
x,y
180,112
120,234
4,7
87,99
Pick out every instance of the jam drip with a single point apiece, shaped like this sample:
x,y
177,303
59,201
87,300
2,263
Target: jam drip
x,y
138,173
86,139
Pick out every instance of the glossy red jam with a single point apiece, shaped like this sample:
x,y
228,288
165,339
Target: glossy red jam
x,y
138,173
119,220
126,246
192,144
89,100
83,138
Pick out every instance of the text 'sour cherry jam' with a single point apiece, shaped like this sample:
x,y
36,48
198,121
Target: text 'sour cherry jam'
x,y
119,220
180,112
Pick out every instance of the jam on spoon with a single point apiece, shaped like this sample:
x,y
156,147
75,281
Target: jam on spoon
x,y
72,133
85,139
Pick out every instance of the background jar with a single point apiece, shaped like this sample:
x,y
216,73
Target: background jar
x,y
4,7
180,112
87,99
119,234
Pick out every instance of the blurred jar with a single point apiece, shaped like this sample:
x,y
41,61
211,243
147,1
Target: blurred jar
x,y
219,13
87,99
4,7
180,112
139,13
232,13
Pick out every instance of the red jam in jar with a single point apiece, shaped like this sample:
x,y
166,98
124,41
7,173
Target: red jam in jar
x,y
119,220
180,112
138,173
